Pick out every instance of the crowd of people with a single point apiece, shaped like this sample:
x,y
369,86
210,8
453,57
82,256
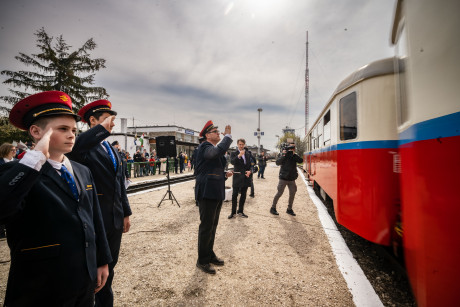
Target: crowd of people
x,y
64,206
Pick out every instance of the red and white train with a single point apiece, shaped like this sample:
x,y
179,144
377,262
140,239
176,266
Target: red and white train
x,y
386,149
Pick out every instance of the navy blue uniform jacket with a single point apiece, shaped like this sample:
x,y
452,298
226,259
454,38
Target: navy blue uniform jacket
x,y
110,184
210,170
56,242
240,180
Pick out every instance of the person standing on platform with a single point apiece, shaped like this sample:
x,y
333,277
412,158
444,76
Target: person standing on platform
x,y
181,162
137,166
210,191
7,153
288,174
262,159
176,164
102,159
241,160
152,165
123,159
254,169
59,251
193,158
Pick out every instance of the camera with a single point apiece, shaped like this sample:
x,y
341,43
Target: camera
x,y
287,146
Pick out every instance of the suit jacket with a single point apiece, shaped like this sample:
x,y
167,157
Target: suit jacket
x,y
110,183
210,170
3,161
240,180
56,242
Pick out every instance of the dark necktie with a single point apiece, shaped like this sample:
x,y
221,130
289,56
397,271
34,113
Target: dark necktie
x,y
67,176
109,151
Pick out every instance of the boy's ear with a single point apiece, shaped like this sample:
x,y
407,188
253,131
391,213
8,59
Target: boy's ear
x,y
92,121
35,132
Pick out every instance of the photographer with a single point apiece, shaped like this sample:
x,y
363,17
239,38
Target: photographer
x,y
288,174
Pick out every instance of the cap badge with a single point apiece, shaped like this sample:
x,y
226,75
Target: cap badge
x,y
64,98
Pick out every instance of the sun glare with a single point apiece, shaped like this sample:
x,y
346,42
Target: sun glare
x,y
262,7
255,8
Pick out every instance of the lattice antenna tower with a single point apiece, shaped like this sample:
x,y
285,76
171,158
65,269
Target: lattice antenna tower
x,y
307,88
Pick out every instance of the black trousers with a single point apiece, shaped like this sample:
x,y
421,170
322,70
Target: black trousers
x,y
261,171
235,192
75,297
209,217
2,231
104,297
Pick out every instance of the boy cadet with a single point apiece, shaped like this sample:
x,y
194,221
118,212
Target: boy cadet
x,y
59,253
103,160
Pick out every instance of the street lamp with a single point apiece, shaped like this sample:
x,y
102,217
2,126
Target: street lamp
x,y
278,143
258,133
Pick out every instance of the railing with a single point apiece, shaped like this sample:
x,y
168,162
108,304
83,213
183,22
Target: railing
x,y
140,169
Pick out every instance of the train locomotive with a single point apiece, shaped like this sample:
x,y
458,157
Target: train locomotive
x,y
386,148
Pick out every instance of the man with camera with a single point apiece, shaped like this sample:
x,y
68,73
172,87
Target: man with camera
x,y
288,174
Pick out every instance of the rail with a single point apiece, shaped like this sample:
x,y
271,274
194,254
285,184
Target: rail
x,y
157,183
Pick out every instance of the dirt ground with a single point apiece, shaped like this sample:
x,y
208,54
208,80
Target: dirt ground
x,y
269,260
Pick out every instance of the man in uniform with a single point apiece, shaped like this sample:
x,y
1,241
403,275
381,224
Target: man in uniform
x,y
59,251
103,160
210,191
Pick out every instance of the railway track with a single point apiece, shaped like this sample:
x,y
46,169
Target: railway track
x,y
157,183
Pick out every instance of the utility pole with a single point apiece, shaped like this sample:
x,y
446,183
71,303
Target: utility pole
x,y
124,130
258,133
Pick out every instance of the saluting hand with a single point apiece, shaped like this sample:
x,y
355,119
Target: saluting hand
x,y
108,123
228,130
44,144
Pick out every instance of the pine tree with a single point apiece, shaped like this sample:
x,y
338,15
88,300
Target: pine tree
x,y
56,68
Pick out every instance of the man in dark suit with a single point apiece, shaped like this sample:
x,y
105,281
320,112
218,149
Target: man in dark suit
x,y
103,160
210,191
241,160
59,252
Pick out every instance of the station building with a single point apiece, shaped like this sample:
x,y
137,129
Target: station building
x,y
186,139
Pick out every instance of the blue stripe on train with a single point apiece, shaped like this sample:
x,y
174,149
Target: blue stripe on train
x,y
360,145
440,127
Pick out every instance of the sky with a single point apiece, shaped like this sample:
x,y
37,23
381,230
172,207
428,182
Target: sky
x,y
184,62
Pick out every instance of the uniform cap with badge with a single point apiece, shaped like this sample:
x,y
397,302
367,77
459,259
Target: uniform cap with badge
x,y
207,128
28,110
90,109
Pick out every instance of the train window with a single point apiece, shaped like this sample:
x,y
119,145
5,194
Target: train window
x,y
400,72
320,133
327,117
348,117
327,127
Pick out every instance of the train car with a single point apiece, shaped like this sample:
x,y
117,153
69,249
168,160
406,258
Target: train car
x,y
351,150
427,38
387,145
